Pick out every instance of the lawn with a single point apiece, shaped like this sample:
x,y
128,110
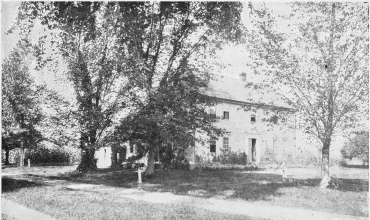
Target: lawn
x,y
349,197
61,203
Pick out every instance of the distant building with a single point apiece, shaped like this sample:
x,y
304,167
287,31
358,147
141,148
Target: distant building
x,y
257,120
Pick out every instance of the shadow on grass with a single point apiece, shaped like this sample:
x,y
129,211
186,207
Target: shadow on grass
x,y
224,184
10,185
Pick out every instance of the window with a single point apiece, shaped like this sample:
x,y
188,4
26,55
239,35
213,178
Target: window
x,y
274,119
274,143
226,115
253,118
226,144
212,112
212,145
283,120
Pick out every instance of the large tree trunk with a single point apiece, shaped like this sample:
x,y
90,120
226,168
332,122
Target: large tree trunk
x,y
88,162
114,156
150,167
325,177
7,156
21,162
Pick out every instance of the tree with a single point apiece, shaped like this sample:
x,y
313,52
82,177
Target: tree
x,y
319,62
172,116
357,147
131,55
167,56
20,102
81,33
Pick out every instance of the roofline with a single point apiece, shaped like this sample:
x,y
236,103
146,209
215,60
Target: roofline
x,y
255,104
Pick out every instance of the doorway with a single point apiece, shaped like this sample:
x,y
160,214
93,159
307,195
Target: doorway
x,y
251,150
254,155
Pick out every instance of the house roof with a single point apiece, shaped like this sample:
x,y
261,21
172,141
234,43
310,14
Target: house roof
x,y
236,90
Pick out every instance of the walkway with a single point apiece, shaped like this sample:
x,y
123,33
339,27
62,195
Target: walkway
x,y
21,212
218,205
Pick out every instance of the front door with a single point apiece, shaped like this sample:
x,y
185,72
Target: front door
x,y
254,154
252,149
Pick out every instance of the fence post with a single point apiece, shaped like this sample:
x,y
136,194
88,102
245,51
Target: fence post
x,y
139,175
21,163
29,163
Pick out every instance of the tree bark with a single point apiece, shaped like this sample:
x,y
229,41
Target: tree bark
x,y
21,162
88,162
150,166
114,156
7,156
325,177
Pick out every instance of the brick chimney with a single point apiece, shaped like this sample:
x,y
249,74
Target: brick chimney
x,y
243,76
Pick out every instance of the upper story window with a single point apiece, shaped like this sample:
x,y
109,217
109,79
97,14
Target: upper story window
x,y
283,117
283,120
226,115
226,144
253,118
212,145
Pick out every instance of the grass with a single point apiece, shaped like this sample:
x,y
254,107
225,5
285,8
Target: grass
x,y
60,203
350,196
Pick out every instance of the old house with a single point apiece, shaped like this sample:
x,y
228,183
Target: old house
x,y
257,121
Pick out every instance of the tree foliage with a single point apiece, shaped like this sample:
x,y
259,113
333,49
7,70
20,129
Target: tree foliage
x,y
89,47
357,147
175,39
20,99
146,59
319,62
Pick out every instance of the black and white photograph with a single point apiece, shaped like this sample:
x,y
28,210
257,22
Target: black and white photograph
x,y
189,110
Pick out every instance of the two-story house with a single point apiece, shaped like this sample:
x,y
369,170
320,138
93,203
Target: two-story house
x,y
256,119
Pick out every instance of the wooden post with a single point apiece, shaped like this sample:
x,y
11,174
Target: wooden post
x,y
21,163
139,175
29,163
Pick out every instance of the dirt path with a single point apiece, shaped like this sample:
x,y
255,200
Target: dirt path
x,y
218,205
21,212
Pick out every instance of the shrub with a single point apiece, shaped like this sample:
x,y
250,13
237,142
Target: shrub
x,y
231,158
228,162
46,155
171,159
357,146
268,157
13,156
300,160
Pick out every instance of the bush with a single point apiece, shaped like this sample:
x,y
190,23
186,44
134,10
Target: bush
x,y
270,158
232,161
357,146
13,156
171,159
45,155
231,158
